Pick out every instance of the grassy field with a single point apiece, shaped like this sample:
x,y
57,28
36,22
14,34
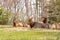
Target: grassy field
x,y
32,34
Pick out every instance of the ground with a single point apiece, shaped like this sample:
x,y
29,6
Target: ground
x,y
20,33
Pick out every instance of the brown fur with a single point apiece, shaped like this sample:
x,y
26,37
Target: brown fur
x,y
26,25
19,24
42,24
31,23
44,20
55,26
14,22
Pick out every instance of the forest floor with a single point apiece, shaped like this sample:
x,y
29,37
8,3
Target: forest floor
x,y
23,33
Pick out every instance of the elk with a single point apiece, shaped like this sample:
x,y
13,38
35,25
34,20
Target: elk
x,y
19,24
42,24
55,26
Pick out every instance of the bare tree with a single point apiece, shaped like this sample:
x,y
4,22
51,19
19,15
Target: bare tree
x,y
14,5
26,4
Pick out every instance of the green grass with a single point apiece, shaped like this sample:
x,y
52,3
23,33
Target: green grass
x,y
29,35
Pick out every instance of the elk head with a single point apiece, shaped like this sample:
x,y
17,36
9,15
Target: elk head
x,y
30,19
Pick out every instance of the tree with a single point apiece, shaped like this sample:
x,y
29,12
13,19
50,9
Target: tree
x,y
27,9
15,2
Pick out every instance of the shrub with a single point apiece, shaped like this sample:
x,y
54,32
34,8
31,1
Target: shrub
x,y
4,16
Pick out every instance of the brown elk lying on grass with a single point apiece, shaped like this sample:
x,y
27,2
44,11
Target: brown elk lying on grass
x,y
19,24
38,24
55,26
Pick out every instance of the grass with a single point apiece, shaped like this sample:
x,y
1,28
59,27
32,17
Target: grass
x,y
29,35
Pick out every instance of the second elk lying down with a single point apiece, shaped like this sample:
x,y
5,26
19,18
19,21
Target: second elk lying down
x,y
19,24
42,24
